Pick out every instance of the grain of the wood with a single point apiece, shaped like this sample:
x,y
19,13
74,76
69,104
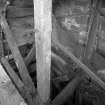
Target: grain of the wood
x,y
17,82
43,25
17,56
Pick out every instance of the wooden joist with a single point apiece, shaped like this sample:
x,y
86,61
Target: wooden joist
x,y
17,82
17,56
43,27
83,67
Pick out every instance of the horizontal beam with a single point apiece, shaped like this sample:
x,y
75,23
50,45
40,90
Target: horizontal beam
x,y
19,12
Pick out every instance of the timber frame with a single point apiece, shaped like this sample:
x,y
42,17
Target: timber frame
x,y
42,49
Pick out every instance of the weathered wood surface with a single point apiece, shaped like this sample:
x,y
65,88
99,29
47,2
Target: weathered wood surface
x,y
17,82
8,92
83,66
1,43
43,26
93,31
22,29
18,12
23,3
17,56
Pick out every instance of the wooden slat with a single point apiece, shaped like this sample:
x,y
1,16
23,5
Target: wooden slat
x,y
93,31
17,82
43,26
17,56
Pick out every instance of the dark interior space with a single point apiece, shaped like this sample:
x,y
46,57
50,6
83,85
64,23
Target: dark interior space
x,y
77,63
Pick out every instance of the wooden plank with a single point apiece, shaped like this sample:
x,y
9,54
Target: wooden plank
x,y
82,66
1,43
16,12
17,56
17,82
22,29
93,31
43,26
23,3
66,92
30,56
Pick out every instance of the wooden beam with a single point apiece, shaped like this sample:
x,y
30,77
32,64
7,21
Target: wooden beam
x,y
17,82
30,56
93,31
82,66
66,92
43,27
1,43
17,12
17,56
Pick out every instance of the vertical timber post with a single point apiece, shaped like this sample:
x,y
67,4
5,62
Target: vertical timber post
x,y
43,29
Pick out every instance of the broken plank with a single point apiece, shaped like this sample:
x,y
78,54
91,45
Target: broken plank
x,y
43,26
17,82
17,56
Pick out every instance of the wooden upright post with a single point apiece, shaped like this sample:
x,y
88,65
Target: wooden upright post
x,y
43,29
